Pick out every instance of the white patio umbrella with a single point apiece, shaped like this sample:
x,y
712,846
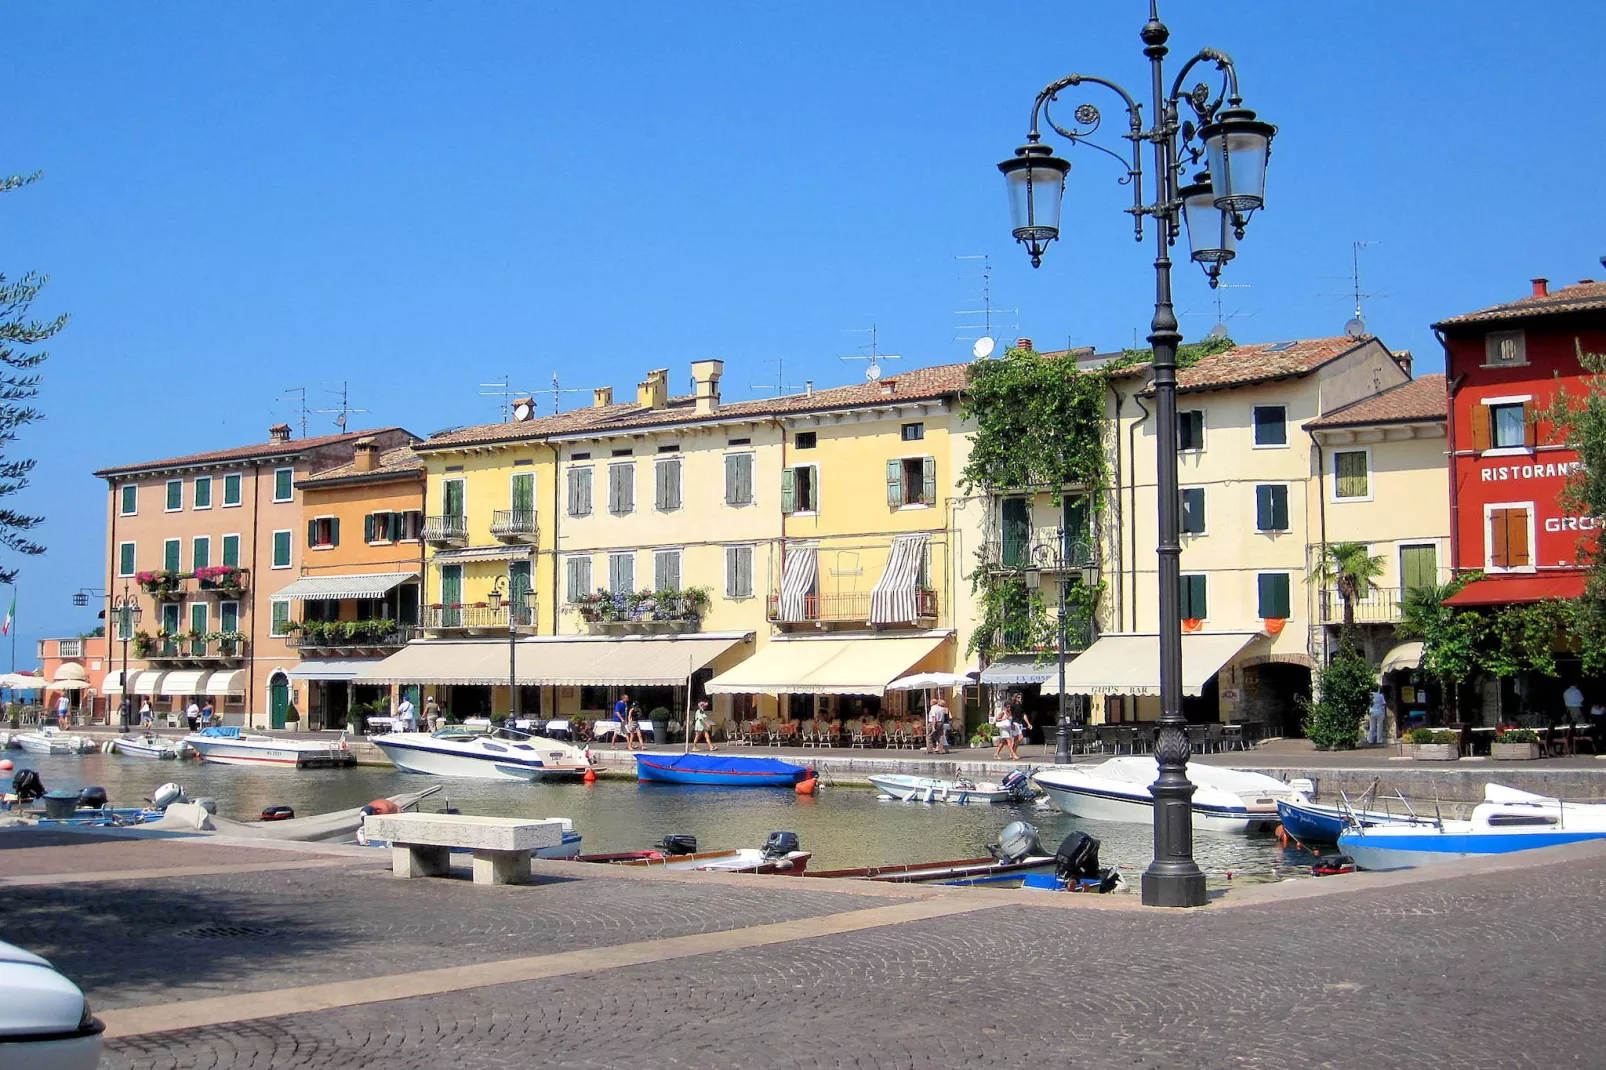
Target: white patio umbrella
x,y
921,681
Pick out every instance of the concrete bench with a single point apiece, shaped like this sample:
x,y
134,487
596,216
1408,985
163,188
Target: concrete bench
x,y
421,844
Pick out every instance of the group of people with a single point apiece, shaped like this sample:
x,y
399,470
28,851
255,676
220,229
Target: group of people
x,y
627,715
407,715
1010,724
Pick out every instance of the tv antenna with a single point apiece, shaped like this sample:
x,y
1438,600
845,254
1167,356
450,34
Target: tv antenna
x,y
343,413
980,332
1219,331
1356,327
872,370
555,390
298,394
780,386
502,388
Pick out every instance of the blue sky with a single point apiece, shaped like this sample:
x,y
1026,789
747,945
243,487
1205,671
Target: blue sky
x,y
421,197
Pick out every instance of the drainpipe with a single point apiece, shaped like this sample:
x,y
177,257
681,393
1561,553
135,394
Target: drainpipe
x,y
111,585
557,480
1120,574
1451,388
1132,452
781,428
256,588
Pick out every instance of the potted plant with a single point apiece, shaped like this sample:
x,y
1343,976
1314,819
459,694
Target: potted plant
x,y
1434,745
292,720
983,736
143,644
1515,745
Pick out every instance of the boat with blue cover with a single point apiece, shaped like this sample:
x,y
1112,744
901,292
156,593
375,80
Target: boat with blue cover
x,y
728,771
1507,820
1312,822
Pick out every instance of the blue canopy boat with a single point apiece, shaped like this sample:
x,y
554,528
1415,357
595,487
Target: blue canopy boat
x,y
1311,822
724,770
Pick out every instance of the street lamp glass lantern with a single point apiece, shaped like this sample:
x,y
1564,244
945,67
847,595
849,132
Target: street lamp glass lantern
x,y
1237,146
1209,228
1035,179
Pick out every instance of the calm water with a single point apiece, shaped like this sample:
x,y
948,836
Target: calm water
x,y
846,825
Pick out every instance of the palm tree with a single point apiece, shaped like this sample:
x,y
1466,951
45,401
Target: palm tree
x,y
1350,567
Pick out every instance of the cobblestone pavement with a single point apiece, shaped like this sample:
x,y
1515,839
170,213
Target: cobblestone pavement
x,y
1495,970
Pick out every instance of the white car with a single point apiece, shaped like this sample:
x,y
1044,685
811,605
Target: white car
x,y
45,1022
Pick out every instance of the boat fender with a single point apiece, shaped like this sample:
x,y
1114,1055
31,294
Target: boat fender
x,y
109,747
6,765
589,776
807,787
283,813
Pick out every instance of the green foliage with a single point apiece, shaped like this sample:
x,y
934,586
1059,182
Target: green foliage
x,y
983,736
1187,355
1344,689
1580,423
1013,616
1517,735
1349,567
1419,737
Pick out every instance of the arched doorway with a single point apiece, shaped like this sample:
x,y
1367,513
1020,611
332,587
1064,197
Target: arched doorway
x,y
1272,696
278,699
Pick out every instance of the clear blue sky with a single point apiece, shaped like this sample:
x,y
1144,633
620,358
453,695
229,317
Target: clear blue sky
x,y
420,197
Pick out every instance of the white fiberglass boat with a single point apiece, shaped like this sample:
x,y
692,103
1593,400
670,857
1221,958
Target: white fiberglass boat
x,y
1224,800
230,746
48,740
150,745
1507,820
482,753
1016,787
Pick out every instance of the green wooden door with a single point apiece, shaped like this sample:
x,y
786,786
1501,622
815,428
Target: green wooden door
x,y
278,701
451,596
1016,521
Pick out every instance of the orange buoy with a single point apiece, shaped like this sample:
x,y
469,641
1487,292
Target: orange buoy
x,y
589,777
806,787
5,765
383,806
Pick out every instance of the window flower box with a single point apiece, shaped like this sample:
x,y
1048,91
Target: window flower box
x,y
1515,745
1429,745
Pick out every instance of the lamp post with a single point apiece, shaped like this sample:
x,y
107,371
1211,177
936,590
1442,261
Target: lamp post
x,y
514,596
126,612
1215,207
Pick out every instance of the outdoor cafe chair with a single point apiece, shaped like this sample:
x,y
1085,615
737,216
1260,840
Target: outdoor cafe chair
x,y
1232,737
1106,738
1197,737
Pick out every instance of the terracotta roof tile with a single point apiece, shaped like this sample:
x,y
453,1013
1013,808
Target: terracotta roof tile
x,y
1257,363
399,461
1581,297
1418,400
252,452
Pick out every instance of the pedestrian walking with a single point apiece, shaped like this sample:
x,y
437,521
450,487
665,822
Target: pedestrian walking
x,y
192,714
702,724
206,714
63,711
1023,723
1005,730
433,715
633,736
1374,725
406,715
947,725
146,718
1573,699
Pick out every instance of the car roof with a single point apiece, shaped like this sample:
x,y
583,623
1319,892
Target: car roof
x,y
13,953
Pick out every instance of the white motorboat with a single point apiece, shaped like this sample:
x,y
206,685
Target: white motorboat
x,y
1224,800
49,740
483,753
1016,787
229,746
1507,820
333,826
149,745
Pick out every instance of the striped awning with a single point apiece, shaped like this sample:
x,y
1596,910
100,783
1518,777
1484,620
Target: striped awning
x,y
370,585
483,553
145,683
182,682
225,682
863,665
797,580
893,599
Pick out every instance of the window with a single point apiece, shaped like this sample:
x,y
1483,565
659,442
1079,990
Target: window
x,y
129,503
666,570
622,488
175,495
1192,593
914,432
1271,425
170,555
520,590
623,451
1190,430
669,447
1271,508
380,527
201,552
281,615
1419,566
580,492
198,626
521,497
1504,349
805,440
281,549
412,525
171,614
451,497
203,492
283,480
738,442
1274,597
1351,470
323,532
228,616
800,491
911,481
578,573
231,551
738,479
1510,537
125,559
621,572
667,473
738,572
231,490
1508,426
1193,511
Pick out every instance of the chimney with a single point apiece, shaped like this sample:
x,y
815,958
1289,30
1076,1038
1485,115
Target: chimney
x,y
279,433
1541,287
602,397
1023,343
1405,360
367,454
705,380
889,387
808,387
653,391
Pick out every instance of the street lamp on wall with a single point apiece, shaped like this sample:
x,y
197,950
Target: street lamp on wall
x,y
1216,206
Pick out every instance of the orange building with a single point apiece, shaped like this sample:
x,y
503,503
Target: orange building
x,y
75,667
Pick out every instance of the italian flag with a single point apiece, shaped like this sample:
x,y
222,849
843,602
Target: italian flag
x,y
11,617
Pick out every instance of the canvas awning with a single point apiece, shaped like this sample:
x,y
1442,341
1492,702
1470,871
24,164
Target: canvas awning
x,y
145,683
1404,656
334,669
1500,590
634,661
371,585
1018,670
483,553
181,682
863,665
1130,664
113,683
225,682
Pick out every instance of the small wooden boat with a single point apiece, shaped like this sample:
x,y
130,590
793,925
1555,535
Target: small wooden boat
x,y
781,853
729,771
1016,854
1016,787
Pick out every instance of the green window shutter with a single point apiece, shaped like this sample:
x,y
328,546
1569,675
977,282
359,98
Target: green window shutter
x,y
228,616
282,490
231,551
281,617
368,527
312,533
894,484
130,494
1193,598
928,480
334,531
1271,508
1273,591
175,494
125,559
789,491
200,552
1419,566
524,493
198,616
231,490
1279,512
203,492
170,555
1193,514
1349,469
281,549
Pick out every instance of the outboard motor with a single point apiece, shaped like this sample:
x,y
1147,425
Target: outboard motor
x,y
1017,841
781,844
27,786
166,796
92,797
207,803
1076,864
678,843
1017,784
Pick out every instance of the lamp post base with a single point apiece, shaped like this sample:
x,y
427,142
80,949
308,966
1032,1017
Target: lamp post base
x,y
1173,885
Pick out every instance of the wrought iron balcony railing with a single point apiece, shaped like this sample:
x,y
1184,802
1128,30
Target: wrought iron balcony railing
x,y
450,530
852,606
349,635
474,617
513,525
1043,549
1380,606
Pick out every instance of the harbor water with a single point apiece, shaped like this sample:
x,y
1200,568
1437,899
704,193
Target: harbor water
x,y
845,825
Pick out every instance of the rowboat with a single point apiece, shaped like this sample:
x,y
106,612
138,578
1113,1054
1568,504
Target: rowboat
x,y
1507,820
1016,787
728,771
1311,822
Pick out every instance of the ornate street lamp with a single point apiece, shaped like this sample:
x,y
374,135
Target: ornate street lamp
x,y
1234,146
515,600
127,613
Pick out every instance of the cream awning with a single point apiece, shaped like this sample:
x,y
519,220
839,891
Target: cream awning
x,y
863,665
336,669
182,682
482,553
1404,656
113,683
1130,664
225,682
638,661
371,585
145,683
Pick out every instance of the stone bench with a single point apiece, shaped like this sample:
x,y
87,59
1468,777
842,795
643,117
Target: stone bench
x,y
421,844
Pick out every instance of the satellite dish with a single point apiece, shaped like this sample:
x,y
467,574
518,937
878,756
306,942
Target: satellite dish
x,y
1218,332
1355,328
873,371
983,348
523,411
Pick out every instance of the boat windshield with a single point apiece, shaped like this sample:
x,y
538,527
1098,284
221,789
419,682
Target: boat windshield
x,y
512,735
458,731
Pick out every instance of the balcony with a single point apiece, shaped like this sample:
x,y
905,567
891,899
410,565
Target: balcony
x,y
223,580
474,617
347,636
852,607
446,530
1380,606
182,651
513,525
1048,550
